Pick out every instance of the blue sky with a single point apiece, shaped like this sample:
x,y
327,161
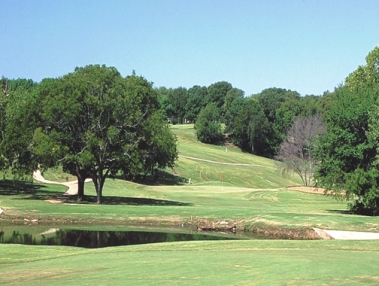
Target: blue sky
x,y
309,46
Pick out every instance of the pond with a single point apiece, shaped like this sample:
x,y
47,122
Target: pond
x,y
92,238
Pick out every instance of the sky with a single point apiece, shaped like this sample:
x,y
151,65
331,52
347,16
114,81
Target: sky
x,y
308,46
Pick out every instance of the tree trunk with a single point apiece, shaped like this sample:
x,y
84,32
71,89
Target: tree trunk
x,y
98,180
99,195
81,175
80,188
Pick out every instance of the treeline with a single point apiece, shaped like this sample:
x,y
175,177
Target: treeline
x,y
257,124
330,141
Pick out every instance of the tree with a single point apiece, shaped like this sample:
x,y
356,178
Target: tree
x,y
3,102
250,126
232,95
178,99
234,108
348,152
345,153
208,126
366,76
280,108
297,150
195,101
94,121
217,93
164,102
19,118
155,150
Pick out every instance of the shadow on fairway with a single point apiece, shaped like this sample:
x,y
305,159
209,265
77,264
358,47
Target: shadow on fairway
x,y
163,179
340,211
134,201
10,187
28,190
40,192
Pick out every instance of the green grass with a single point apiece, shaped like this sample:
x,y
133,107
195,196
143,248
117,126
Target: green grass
x,y
247,195
257,262
253,195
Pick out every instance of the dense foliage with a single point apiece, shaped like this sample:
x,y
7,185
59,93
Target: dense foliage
x,y
93,122
125,120
208,126
349,151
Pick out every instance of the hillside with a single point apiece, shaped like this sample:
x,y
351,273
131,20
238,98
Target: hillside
x,y
227,166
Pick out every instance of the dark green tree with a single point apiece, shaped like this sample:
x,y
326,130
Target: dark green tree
x,y
230,97
217,93
178,99
366,76
250,127
195,102
346,155
208,126
94,121
280,107
349,151
19,118
165,105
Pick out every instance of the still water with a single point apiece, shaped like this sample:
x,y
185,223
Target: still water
x,y
101,238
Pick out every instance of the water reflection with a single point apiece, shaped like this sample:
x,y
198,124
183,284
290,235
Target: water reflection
x,y
97,239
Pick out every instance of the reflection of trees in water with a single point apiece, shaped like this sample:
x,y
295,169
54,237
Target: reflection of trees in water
x,y
97,239
93,239
18,238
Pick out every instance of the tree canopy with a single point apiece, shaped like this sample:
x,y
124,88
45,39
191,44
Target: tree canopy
x,y
348,151
96,122
208,126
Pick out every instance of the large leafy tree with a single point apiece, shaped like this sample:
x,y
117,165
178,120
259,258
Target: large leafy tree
x,y
217,93
94,122
229,110
178,99
346,155
250,126
164,102
19,118
366,76
348,152
195,102
208,126
3,101
280,107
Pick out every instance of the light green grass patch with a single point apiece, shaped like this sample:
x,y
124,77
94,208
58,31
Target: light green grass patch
x,y
255,262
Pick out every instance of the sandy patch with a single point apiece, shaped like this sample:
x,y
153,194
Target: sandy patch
x,y
312,190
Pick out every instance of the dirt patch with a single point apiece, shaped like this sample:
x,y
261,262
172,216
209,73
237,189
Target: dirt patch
x,y
55,201
303,233
312,190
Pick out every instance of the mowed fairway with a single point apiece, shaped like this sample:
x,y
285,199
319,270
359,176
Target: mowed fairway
x,y
254,262
236,187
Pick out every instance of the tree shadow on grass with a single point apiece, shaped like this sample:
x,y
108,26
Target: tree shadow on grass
x,y
341,212
109,200
163,178
17,187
